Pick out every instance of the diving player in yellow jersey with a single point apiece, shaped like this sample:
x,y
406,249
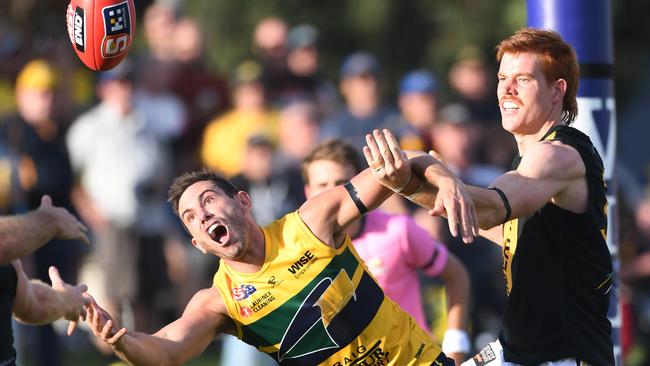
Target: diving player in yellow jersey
x,y
295,289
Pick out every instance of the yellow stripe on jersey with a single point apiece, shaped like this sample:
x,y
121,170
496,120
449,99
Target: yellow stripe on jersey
x,y
510,238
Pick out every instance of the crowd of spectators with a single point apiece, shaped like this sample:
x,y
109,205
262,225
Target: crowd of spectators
x,y
106,145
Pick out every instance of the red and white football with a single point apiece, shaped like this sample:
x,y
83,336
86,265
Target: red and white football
x,y
101,31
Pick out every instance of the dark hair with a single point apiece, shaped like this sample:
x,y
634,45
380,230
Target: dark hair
x,y
558,58
180,184
335,150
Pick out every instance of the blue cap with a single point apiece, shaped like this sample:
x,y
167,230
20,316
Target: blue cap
x,y
304,35
418,81
359,63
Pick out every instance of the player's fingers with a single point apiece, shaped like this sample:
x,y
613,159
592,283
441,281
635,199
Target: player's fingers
x,y
46,200
435,155
452,216
71,327
466,222
116,337
374,150
106,330
393,145
384,150
55,277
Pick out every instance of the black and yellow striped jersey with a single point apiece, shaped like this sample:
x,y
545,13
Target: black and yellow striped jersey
x,y
558,274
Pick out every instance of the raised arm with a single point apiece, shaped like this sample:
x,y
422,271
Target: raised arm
x,y
203,318
448,196
20,235
38,303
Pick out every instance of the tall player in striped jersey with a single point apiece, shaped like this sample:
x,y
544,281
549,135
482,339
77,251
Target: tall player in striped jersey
x,y
295,289
548,213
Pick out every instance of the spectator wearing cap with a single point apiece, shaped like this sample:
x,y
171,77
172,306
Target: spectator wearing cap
x,y
122,168
303,61
363,110
418,105
36,137
224,139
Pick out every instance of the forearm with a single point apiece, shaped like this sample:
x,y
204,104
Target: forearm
x,y
21,235
457,291
488,205
43,304
143,349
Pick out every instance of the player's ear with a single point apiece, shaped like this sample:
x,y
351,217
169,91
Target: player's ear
x,y
559,89
244,199
198,246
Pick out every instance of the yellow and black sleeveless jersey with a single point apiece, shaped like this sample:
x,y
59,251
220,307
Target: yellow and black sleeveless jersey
x,y
559,274
311,304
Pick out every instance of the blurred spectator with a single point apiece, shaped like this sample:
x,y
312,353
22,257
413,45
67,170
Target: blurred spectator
x,y
123,170
471,85
456,139
471,82
418,105
204,93
153,98
303,61
159,22
276,193
364,110
298,132
224,139
33,135
270,46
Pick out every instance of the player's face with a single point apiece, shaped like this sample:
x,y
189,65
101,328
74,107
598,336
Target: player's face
x,y
325,174
216,222
526,99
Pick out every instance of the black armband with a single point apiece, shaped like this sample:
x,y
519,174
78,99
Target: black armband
x,y
355,198
506,204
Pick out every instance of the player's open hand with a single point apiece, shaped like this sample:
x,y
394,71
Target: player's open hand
x,y
102,325
454,202
75,299
69,227
388,162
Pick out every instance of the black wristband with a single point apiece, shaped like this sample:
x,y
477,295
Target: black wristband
x,y
506,204
355,198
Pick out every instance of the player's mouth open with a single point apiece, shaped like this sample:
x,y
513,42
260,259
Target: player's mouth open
x,y
218,233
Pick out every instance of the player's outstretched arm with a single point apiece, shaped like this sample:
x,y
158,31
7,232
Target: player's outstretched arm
x,y
203,318
549,171
20,235
38,303
447,196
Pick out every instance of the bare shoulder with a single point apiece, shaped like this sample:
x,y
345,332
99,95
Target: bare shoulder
x,y
208,299
552,160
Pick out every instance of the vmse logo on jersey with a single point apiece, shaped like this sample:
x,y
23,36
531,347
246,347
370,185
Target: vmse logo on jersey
x,y
243,292
117,30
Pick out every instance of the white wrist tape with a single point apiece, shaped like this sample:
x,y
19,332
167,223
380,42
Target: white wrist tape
x,y
455,341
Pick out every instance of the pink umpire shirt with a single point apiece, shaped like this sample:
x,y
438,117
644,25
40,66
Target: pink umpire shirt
x,y
394,247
